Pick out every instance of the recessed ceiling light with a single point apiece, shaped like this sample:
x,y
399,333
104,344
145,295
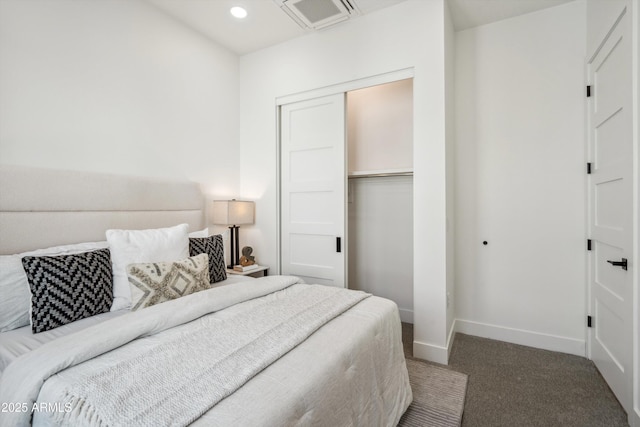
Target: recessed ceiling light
x,y
239,12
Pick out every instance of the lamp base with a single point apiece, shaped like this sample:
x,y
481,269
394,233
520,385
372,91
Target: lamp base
x,y
234,253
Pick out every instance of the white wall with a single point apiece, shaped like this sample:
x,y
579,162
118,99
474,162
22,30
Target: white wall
x,y
449,85
380,127
407,35
380,209
381,239
520,179
635,417
116,86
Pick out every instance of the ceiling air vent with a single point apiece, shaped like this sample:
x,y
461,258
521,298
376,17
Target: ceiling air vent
x,y
316,14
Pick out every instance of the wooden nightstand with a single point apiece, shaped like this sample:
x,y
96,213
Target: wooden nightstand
x,y
260,271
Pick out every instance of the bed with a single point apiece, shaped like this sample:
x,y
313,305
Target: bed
x,y
231,354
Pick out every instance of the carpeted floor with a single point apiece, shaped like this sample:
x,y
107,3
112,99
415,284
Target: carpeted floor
x,y
512,385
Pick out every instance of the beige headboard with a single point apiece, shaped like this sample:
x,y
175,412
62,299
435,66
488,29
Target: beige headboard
x,y
40,208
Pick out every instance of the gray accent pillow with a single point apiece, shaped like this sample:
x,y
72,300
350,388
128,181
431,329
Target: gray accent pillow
x,y
156,282
67,288
214,247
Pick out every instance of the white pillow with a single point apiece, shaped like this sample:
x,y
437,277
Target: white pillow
x,y
15,296
137,246
200,233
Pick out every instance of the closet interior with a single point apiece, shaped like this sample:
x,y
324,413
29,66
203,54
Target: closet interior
x,y
380,192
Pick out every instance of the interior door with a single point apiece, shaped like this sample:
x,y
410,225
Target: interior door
x,y
610,200
313,182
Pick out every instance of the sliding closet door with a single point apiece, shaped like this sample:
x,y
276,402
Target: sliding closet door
x,y
312,182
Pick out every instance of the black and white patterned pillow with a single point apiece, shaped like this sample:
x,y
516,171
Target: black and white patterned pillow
x,y
213,247
67,288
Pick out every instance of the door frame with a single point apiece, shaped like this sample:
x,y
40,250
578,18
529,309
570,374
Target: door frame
x,y
634,418
379,79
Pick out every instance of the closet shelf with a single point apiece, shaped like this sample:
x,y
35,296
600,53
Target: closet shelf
x,y
377,173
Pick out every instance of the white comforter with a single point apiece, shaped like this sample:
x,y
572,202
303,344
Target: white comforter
x,y
350,372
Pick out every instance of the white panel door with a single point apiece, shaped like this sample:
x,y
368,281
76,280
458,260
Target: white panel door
x,y
313,182
610,200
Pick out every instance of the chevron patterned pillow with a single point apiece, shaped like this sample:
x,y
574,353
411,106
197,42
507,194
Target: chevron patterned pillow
x,y
67,288
213,247
156,282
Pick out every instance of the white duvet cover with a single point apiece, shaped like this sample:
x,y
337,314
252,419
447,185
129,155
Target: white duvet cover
x,y
17,342
349,372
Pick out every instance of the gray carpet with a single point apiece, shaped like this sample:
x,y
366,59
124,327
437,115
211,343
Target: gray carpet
x,y
513,385
438,396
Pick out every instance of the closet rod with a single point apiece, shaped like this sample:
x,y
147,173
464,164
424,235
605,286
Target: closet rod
x,y
381,174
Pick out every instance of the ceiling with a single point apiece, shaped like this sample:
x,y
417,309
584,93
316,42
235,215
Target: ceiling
x,y
267,24
473,13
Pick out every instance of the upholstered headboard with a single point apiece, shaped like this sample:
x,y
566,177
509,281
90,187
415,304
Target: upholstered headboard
x,y
40,208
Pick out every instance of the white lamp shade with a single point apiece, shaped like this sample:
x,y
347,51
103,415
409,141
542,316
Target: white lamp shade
x,y
232,212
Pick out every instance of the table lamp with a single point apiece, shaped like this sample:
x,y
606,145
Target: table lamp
x,y
233,213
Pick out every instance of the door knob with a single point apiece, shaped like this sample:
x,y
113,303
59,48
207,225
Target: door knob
x,y
622,263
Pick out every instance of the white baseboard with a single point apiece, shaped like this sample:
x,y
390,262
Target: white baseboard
x,y
450,338
522,337
406,315
435,353
430,352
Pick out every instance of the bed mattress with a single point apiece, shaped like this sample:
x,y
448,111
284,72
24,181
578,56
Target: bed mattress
x,y
351,371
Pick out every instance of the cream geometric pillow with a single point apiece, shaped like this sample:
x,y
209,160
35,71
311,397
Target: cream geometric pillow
x,y
156,282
